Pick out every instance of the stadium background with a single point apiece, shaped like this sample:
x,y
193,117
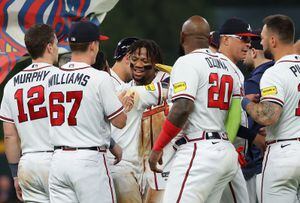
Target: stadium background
x,y
162,21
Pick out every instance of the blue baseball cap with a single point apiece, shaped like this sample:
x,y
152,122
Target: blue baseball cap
x,y
85,31
236,26
122,47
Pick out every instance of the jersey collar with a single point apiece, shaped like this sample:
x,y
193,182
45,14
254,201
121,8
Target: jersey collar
x,y
289,58
74,66
37,66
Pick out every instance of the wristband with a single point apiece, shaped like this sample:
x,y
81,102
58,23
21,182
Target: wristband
x,y
14,169
245,102
112,143
168,132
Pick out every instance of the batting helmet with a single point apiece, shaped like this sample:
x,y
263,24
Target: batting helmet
x,y
123,46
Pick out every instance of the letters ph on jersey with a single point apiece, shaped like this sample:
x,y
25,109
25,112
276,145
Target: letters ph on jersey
x,y
296,70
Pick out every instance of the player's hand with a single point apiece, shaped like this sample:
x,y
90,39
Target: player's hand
x,y
262,131
260,142
18,189
253,97
117,152
155,156
127,100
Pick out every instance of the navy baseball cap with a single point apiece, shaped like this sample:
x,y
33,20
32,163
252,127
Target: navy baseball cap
x,y
85,31
255,41
236,26
214,39
123,46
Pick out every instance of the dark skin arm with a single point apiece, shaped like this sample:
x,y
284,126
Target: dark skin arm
x,y
265,113
178,115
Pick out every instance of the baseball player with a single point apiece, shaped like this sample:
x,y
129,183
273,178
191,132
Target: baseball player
x,y
297,46
82,104
121,72
257,62
205,160
23,110
143,55
235,38
279,110
152,120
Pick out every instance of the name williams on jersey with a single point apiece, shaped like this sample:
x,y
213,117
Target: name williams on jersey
x,y
68,78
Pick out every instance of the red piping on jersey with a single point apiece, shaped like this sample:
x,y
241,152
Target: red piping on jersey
x,y
263,174
187,96
272,98
117,112
236,95
155,110
187,173
195,139
232,192
6,119
65,69
155,181
162,77
288,61
224,59
159,93
204,53
109,179
37,68
115,79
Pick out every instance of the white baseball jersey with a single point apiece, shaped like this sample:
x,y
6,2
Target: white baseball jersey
x,y
281,84
127,137
205,79
211,87
82,100
24,104
119,84
240,78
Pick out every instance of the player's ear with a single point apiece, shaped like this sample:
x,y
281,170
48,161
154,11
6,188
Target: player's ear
x,y
253,53
49,47
225,40
273,41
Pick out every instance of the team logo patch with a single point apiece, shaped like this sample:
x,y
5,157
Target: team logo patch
x,y
150,87
180,86
269,91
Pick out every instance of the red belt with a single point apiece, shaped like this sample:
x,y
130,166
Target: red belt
x,y
282,140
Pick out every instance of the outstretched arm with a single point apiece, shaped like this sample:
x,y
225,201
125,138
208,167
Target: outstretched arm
x,y
265,113
176,119
233,119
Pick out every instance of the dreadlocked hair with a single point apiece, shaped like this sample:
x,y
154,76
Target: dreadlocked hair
x,y
153,50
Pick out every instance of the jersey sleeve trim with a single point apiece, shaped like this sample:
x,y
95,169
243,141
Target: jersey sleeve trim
x,y
6,119
186,96
159,93
116,113
272,99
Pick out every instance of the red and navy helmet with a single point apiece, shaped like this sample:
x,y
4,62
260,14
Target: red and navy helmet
x,y
123,46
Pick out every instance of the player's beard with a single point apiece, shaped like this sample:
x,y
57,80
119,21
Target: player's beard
x,y
268,54
248,66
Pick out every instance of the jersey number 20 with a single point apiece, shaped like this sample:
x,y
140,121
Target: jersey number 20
x,y
219,94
